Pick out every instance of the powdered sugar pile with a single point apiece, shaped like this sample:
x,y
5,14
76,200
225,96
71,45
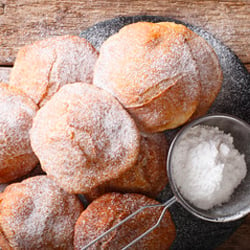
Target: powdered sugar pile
x,y
206,166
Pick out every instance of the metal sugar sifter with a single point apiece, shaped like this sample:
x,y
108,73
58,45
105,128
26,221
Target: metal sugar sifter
x,y
239,203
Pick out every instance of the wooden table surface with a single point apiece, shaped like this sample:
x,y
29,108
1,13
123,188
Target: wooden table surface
x,y
24,21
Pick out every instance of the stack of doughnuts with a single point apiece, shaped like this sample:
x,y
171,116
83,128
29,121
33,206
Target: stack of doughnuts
x,y
100,140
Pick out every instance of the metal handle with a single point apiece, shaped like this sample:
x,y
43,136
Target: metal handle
x,y
166,205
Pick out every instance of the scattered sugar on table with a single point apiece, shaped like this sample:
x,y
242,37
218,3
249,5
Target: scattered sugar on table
x,y
206,166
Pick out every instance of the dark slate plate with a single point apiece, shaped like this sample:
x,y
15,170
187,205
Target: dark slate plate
x,y
234,98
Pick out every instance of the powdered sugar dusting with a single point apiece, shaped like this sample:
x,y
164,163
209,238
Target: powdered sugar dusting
x,y
233,98
16,115
92,136
210,73
36,214
44,66
167,111
142,70
139,67
148,176
111,208
74,62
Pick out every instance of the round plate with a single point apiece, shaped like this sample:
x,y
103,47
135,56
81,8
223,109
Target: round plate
x,y
234,98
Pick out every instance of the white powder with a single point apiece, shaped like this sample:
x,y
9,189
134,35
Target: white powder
x,y
206,166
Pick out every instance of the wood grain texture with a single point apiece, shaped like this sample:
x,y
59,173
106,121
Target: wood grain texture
x,y
24,21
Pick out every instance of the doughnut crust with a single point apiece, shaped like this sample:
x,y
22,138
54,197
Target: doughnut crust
x,y
37,214
83,137
16,115
210,73
148,176
111,208
150,69
43,67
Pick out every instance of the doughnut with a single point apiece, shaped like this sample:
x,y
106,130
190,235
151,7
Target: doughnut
x,y
43,67
210,73
148,176
16,115
84,137
109,209
150,69
37,214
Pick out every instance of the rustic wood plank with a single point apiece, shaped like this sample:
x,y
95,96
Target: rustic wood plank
x,y
24,21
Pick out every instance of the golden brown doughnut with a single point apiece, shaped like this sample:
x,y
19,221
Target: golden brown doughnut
x,y
84,137
148,176
43,67
37,214
149,67
210,73
16,115
109,209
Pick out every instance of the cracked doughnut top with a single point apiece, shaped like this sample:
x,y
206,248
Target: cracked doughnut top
x,y
16,115
109,209
151,69
37,214
43,67
83,137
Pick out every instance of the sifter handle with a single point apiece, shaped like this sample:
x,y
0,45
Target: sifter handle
x,y
166,205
